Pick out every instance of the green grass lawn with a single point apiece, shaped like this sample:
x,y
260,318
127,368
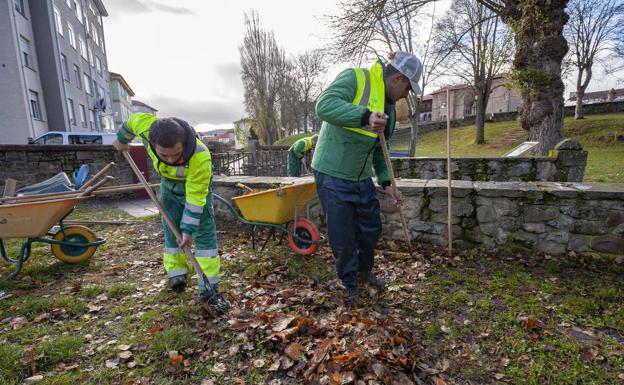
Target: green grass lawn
x,y
597,133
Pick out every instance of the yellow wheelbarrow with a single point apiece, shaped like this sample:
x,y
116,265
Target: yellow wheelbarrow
x,y
279,209
33,217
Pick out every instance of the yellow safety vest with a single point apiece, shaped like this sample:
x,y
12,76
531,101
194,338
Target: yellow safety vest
x,y
370,93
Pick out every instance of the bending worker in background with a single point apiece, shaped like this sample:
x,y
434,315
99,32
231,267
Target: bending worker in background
x,y
184,164
355,108
296,154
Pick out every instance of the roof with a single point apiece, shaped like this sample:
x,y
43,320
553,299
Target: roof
x,y
604,94
141,104
122,81
100,7
451,88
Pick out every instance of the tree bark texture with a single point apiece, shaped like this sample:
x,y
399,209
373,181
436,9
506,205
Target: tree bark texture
x,y
540,49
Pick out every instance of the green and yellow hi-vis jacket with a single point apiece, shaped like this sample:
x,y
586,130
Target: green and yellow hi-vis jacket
x,y
301,146
196,172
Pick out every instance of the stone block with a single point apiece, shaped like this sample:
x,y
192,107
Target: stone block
x,y
535,227
579,243
427,227
558,237
551,247
527,238
486,214
608,244
539,213
580,226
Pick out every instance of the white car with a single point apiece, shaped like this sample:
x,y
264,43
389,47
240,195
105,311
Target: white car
x,y
76,137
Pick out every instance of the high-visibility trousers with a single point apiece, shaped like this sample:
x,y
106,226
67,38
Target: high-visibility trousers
x,y
172,198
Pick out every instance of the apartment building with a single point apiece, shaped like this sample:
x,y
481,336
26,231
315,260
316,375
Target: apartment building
x,y
122,99
53,68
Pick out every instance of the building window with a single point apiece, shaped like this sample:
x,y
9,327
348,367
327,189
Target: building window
x,y
90,52
78,11
87,83
69,3
72,37
93,120
100,92
70,110
25,46
64,69
98,65
57,21
94,86
83,47
35,107
77,77
91,8
19,6
96,37
83,116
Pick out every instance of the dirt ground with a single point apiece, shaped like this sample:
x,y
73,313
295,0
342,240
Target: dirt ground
x,y
472,319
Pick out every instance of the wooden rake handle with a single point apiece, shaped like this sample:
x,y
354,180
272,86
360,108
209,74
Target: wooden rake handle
x,y
384,148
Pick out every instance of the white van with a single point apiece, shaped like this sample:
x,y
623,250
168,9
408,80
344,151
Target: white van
x,y
76,137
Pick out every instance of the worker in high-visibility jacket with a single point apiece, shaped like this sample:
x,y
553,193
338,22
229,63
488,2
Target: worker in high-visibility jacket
x,y
296,154
184,164
355,108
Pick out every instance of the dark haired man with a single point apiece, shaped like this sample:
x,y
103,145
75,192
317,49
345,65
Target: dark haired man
x,y
184,164
357,106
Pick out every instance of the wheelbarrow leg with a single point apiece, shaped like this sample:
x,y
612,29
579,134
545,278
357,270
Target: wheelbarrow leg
x,y
23,255
253,237
271,234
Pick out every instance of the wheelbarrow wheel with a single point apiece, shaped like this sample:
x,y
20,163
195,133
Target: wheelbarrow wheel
x,y
304,230
74,253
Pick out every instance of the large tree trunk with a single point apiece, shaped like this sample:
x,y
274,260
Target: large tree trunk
x,y
540,49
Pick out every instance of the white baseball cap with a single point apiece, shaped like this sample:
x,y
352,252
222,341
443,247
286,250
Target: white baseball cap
x,y
410,66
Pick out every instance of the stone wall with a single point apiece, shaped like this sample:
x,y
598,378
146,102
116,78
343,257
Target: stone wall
x,y
30,164
554,218
566,165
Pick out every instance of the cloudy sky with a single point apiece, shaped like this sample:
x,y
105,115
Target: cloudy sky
x,y
182,57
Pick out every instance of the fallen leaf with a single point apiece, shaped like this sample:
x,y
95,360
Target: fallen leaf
x,y
282,323
274,366
294,351
219,368
123,347
258,363
498,376
112,363
346,357
124,355
439,381
176,360
319,354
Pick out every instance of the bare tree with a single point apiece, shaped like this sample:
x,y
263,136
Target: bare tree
x,y
370,29
591,32
482,47
537,26
264,69
309,69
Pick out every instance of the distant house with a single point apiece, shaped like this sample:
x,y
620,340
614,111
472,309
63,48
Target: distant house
x,y
122,102
138,106
502,99
425,108
221,139
598,96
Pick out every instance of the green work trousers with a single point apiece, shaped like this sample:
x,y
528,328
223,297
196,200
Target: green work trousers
x,y
172,197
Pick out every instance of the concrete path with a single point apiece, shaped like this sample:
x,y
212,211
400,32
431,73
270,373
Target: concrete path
x,y
138,207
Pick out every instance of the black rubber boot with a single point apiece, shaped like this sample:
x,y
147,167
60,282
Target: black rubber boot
x,y
177,283
353,298
371,279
